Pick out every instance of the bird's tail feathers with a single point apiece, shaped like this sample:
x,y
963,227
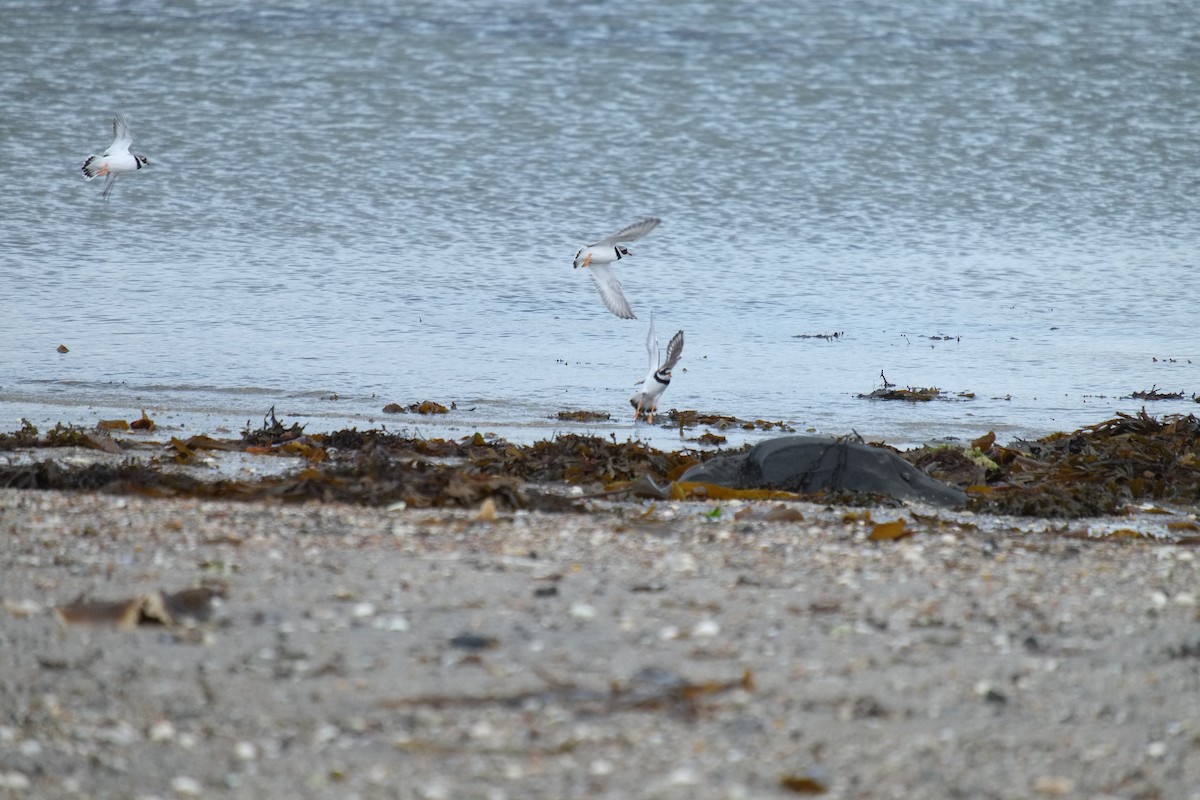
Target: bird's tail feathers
x,y
93,168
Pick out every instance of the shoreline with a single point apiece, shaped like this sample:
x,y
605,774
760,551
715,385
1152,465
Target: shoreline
x,y
185,646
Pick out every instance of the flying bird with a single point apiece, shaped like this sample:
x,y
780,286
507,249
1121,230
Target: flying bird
x,y
600,255
645,400
117,160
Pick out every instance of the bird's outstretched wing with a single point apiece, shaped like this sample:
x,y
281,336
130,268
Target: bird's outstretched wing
x,y
121,138
652,346
630,232
674,351
610,290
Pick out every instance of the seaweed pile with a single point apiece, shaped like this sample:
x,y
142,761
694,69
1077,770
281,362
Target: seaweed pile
x,y
1109,468
360,467
1100,470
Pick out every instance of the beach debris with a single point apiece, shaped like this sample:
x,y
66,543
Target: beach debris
x,y
809,465
62,348
184,608
649,689
26,436
583,416
144,423
953,465
272,431
828,337
909,394
474,642
1154,394
112,425
710,438
1116,467
1098,470
694,419
487,511
984,442
890,531
424,407
802,784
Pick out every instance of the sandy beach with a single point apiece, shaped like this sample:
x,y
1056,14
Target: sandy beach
x,y
640,650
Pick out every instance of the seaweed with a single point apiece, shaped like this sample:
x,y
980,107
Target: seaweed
x,y
683,420
27,436
1098,470
909,394
424,407
1154,394
583,416
1108,468
272,431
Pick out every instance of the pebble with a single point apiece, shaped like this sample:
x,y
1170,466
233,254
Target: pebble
x,y
182,784
1053,785
394,624
162,730
14,780
583,611
246,751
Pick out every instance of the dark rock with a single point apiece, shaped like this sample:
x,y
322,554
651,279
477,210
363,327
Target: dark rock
x,y
808,464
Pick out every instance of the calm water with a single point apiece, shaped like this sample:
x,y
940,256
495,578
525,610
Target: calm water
x,y
379,202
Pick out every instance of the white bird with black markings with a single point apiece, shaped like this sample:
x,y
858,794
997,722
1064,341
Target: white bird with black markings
x,y
117,160
599,256
645,400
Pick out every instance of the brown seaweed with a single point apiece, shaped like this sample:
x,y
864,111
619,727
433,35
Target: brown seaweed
x,y
1113,467
1095,471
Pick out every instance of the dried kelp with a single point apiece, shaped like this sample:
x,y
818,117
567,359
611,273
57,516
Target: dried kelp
x,y
272,431
1154,394
683,420
909,394
360,467
424,407
649,689
1099,470
583,416
184,608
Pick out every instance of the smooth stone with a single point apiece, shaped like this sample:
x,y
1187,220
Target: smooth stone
x,y
808,464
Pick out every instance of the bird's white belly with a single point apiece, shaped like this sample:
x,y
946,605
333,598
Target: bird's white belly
x,y
599,255
123,162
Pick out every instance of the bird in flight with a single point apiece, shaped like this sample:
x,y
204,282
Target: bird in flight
x,y
599,257
117,160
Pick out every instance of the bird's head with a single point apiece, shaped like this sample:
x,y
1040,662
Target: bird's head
x,y
141,161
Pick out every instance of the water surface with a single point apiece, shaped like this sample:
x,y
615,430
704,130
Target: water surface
x,y
379,202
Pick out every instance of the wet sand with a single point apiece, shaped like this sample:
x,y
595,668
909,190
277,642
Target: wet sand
x,y
634,651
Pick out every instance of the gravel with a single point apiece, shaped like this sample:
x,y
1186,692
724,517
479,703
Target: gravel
x,y
638,651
